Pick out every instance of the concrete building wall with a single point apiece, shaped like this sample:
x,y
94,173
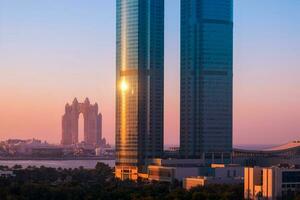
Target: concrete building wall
x,y
189,183
182,172
268,180
252,179
229,172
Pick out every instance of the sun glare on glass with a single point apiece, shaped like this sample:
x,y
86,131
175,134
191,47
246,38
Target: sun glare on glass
x,y
124,86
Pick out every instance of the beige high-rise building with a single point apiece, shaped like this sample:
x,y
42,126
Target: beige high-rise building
x,y
92,123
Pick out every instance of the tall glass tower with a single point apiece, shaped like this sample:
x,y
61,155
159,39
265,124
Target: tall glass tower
x,y
139,84
206,78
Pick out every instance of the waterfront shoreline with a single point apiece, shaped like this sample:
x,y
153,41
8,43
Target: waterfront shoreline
x,y
54,163
54,158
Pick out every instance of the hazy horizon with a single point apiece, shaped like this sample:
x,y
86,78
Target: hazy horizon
x,y
51,53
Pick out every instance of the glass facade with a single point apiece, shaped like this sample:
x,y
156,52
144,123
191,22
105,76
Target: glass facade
x,y
291,177
139,81
206,77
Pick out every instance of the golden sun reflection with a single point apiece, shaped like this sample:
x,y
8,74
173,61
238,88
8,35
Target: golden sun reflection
x,y
124,86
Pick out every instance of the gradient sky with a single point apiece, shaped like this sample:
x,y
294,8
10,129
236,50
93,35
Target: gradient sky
x,y
52,52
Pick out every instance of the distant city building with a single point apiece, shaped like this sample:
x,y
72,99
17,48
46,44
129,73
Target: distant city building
x,y
36,149
24,148
206,78
92,123
140,84
47,152
279,182
106,152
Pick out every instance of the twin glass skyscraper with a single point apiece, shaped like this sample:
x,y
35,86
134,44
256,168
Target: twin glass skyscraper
x,y
140,84
206,80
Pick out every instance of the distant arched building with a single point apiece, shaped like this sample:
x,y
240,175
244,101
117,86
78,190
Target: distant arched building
x,y
92,123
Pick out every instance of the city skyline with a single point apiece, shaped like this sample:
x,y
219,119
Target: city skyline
x,y
25,94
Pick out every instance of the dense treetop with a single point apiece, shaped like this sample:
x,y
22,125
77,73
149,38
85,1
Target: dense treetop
x,y
99,183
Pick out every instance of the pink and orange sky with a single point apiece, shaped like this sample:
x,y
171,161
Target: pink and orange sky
x,y
53,52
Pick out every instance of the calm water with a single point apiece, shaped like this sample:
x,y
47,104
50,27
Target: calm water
x,y
89,164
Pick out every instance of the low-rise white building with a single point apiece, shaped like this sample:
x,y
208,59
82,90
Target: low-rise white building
x,y
170,169
191,182
169,174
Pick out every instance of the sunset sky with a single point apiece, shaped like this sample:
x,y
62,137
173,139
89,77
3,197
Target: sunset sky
x,y
53,51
